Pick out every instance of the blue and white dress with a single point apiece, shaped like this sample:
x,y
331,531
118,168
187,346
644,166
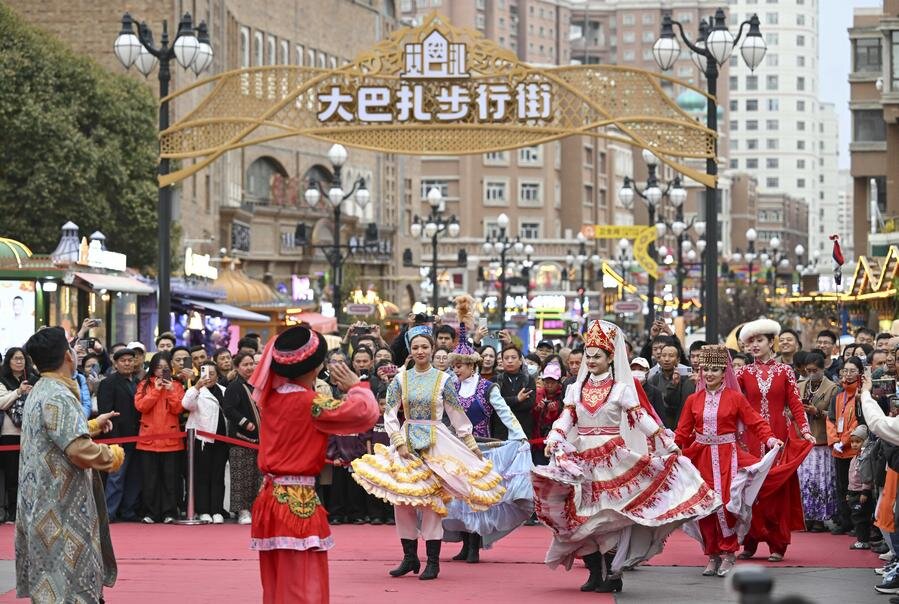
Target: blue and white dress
x,y
512,460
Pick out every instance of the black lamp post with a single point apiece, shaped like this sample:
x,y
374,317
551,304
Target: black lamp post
x,y
336,253
432,227
709,53
192,50
653,195
584,264
500,244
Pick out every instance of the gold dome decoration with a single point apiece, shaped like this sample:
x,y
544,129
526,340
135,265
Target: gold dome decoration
x,y
13,253
242,290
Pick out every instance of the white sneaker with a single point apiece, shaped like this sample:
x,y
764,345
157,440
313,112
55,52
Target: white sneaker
x,y
886,557
147,520
217,519
168,520
244,517
206,518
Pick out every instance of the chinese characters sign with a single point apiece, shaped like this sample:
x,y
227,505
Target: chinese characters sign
x,y
436,87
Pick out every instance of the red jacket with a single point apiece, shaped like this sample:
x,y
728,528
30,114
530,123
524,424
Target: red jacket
x,y
545,412
159,410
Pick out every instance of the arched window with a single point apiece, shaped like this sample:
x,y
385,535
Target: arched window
x,y
260,174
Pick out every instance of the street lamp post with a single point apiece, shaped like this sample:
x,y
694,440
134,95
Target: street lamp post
x,y
710,53
432,227
500,244
335,252
191,48
582,262
751,236
653,195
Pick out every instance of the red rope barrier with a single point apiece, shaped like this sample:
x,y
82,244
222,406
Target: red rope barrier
x,y
133,439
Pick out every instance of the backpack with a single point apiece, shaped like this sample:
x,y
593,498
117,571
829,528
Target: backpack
x,y
867,471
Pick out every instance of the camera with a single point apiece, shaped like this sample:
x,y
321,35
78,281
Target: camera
x,y
87,344
422,318
362,330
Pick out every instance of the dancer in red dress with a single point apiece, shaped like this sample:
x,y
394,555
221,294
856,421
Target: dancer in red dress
x,y
290,527
707,434
771,389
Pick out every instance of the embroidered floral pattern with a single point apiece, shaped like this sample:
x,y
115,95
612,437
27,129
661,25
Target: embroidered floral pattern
x,y
301,499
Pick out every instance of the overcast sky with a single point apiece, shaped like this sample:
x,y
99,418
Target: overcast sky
x,y
835,18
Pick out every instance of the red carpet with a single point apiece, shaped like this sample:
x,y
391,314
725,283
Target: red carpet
x,y
208,563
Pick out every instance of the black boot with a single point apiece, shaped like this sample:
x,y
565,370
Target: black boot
x,y
474,549
594,565
410,562
432,568
611,583
463,553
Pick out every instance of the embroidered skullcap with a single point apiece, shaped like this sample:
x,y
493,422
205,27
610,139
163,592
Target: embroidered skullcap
x,y
601,335
713,356
297,351
759,327
418,330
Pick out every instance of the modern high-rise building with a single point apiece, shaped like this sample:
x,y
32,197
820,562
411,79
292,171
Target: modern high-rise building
x,y
874,150
780,132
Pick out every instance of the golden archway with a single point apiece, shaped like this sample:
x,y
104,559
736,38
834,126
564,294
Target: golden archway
x,y
260,104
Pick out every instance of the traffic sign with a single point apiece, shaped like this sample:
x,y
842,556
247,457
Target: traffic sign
x,y
360,310
623,307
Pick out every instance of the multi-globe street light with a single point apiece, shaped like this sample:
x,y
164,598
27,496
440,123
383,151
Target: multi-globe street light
x,y
432,227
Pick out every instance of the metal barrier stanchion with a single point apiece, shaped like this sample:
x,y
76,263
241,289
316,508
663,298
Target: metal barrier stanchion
x,y
191,512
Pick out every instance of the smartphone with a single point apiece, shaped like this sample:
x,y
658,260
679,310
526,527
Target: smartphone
x,y
167,374
883,387
482,323
96,322
87,344
685,371
204,371
95,371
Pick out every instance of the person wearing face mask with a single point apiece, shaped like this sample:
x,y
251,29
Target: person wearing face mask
x,y
600,492
842,418
771,389
817,474
707,433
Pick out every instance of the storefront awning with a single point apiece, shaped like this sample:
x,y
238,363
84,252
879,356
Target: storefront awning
x,y
115,283
228,311
316,321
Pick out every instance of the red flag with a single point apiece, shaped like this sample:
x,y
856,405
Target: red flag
x,y
837,251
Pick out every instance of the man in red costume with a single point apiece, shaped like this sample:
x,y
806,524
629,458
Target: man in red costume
x,y
771,389
290,528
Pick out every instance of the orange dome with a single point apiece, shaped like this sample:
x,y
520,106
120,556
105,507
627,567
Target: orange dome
x,y
242,290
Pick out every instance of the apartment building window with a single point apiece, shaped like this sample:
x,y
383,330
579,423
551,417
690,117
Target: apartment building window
x,y
752,143
530,156
772,163
649,36
752,163
530,193
648,19
752,124
771,60
301,54
627,20
685,17
800,83
800,105
771,18
588,196
800,183
732,81
771,82
628,55
800,61
800,145
772,125
433,183
322,60
752,104
868,125
481,4
735,164
647,54
734,144
244,46
752,82
800,19
492,230
800,125
867,56
496,158
772,39
800,164
530,230
258,50
629,37
773,104
772,182
734,105
310,55
557,196
272,47
800,40
480,22
771,144
496,192
285,52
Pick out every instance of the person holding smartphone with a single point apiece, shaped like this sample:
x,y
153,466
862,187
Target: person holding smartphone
x,y
158,400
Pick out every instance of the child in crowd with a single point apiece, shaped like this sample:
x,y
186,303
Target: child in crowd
x,y
859,494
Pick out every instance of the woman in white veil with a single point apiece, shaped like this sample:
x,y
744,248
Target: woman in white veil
x,y
615,487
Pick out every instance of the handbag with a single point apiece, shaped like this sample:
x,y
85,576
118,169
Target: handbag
x,y
17,410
